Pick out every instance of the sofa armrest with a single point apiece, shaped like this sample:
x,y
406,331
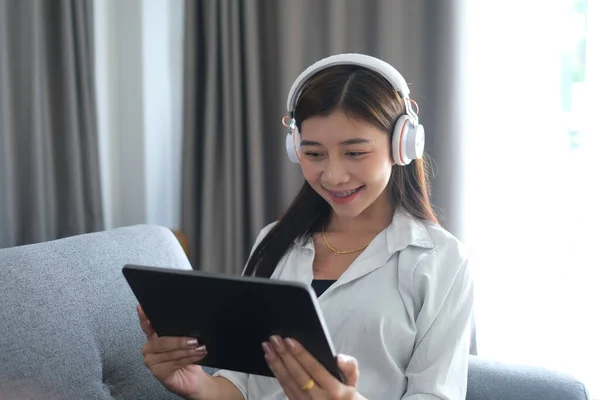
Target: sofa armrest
x,y
69,327
491,380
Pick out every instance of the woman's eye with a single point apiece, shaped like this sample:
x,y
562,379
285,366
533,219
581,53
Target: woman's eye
x,y
355,153
312,154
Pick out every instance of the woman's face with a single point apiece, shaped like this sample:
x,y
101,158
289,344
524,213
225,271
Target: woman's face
x,y
347,161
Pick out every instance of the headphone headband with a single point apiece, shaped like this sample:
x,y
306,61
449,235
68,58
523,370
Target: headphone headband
x,y
386,70
408,137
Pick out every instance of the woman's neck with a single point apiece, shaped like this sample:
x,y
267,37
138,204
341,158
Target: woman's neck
x,y
374,219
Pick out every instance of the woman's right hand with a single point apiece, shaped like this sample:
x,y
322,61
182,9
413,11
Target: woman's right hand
x,y
171,359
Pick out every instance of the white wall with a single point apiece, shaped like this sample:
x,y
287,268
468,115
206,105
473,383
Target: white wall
x,y
139,66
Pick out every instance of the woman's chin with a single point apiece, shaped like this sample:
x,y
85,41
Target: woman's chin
x,y
347,210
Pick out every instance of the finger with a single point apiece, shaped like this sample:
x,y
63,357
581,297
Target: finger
x,y
289,386
184,362
168,368
314,368
165,344
349,368
174,356
295,369
145,323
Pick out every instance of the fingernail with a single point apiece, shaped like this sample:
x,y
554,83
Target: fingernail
x,y
192,342
266,348
201,349
343,358
277,342
290,343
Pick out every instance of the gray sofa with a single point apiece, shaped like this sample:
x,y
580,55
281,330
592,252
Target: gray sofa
x,y
69,330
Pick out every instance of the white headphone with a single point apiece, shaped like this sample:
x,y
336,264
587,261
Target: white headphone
x,y
408,139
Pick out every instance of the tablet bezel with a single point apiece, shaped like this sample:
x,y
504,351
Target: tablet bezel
x,y
148,282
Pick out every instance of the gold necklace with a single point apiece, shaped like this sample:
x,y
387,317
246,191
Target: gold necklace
x,y
336,251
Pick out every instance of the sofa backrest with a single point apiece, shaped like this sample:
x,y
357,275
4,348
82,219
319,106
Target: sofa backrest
x,y
68,323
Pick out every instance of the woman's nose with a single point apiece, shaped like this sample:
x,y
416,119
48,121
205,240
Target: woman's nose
x,y
335,174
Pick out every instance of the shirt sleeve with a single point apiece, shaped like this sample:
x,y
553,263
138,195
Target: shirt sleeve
x,y
443,286
240,379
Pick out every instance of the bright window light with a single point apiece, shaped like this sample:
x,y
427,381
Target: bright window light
x,y
533,185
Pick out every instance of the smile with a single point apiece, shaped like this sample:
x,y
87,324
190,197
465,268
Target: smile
x,y
345,194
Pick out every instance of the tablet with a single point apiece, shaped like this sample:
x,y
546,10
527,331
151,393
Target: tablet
x,y
232,316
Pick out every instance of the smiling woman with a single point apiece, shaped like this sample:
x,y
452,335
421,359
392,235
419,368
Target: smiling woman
x,y
394,287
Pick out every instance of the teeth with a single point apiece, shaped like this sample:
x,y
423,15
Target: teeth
x,y
346,194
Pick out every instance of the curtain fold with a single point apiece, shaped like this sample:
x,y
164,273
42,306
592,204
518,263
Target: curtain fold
x,y
241,59
49,168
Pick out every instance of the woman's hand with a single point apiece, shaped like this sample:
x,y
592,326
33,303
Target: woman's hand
x,y
171,359
302,377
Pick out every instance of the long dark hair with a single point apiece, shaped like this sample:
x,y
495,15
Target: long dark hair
x,y
364,95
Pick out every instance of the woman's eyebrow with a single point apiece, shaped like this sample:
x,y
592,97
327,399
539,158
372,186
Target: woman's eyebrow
x,y
355,141
345,142
310,143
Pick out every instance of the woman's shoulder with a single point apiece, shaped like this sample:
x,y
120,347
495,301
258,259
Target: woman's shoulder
x,y
436,252
447,262
439,264
267,228
445,242
263,232
429,237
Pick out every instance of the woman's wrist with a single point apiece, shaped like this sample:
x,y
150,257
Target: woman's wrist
x,y
215,388
203,388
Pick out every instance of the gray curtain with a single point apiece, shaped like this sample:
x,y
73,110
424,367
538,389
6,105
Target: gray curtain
x,y
49,167
241,58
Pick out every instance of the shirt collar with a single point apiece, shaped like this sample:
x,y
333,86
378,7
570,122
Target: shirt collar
x,y
404,230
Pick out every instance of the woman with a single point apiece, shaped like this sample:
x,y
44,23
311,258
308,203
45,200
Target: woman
x,y
394,287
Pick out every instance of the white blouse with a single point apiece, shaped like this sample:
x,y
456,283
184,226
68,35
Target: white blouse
x,y
403,309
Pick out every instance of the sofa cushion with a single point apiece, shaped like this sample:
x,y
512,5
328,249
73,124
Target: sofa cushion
x,y
68,323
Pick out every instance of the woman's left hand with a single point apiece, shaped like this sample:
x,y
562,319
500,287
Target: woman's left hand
x,y
302,377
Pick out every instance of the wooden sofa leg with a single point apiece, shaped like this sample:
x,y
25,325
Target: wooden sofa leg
x,y
183,241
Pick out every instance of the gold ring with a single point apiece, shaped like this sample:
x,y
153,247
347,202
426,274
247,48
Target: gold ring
x,y
309,385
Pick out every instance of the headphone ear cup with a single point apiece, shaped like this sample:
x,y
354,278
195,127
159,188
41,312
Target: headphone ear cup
x,y
290,148
397,139
415,141
408,141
